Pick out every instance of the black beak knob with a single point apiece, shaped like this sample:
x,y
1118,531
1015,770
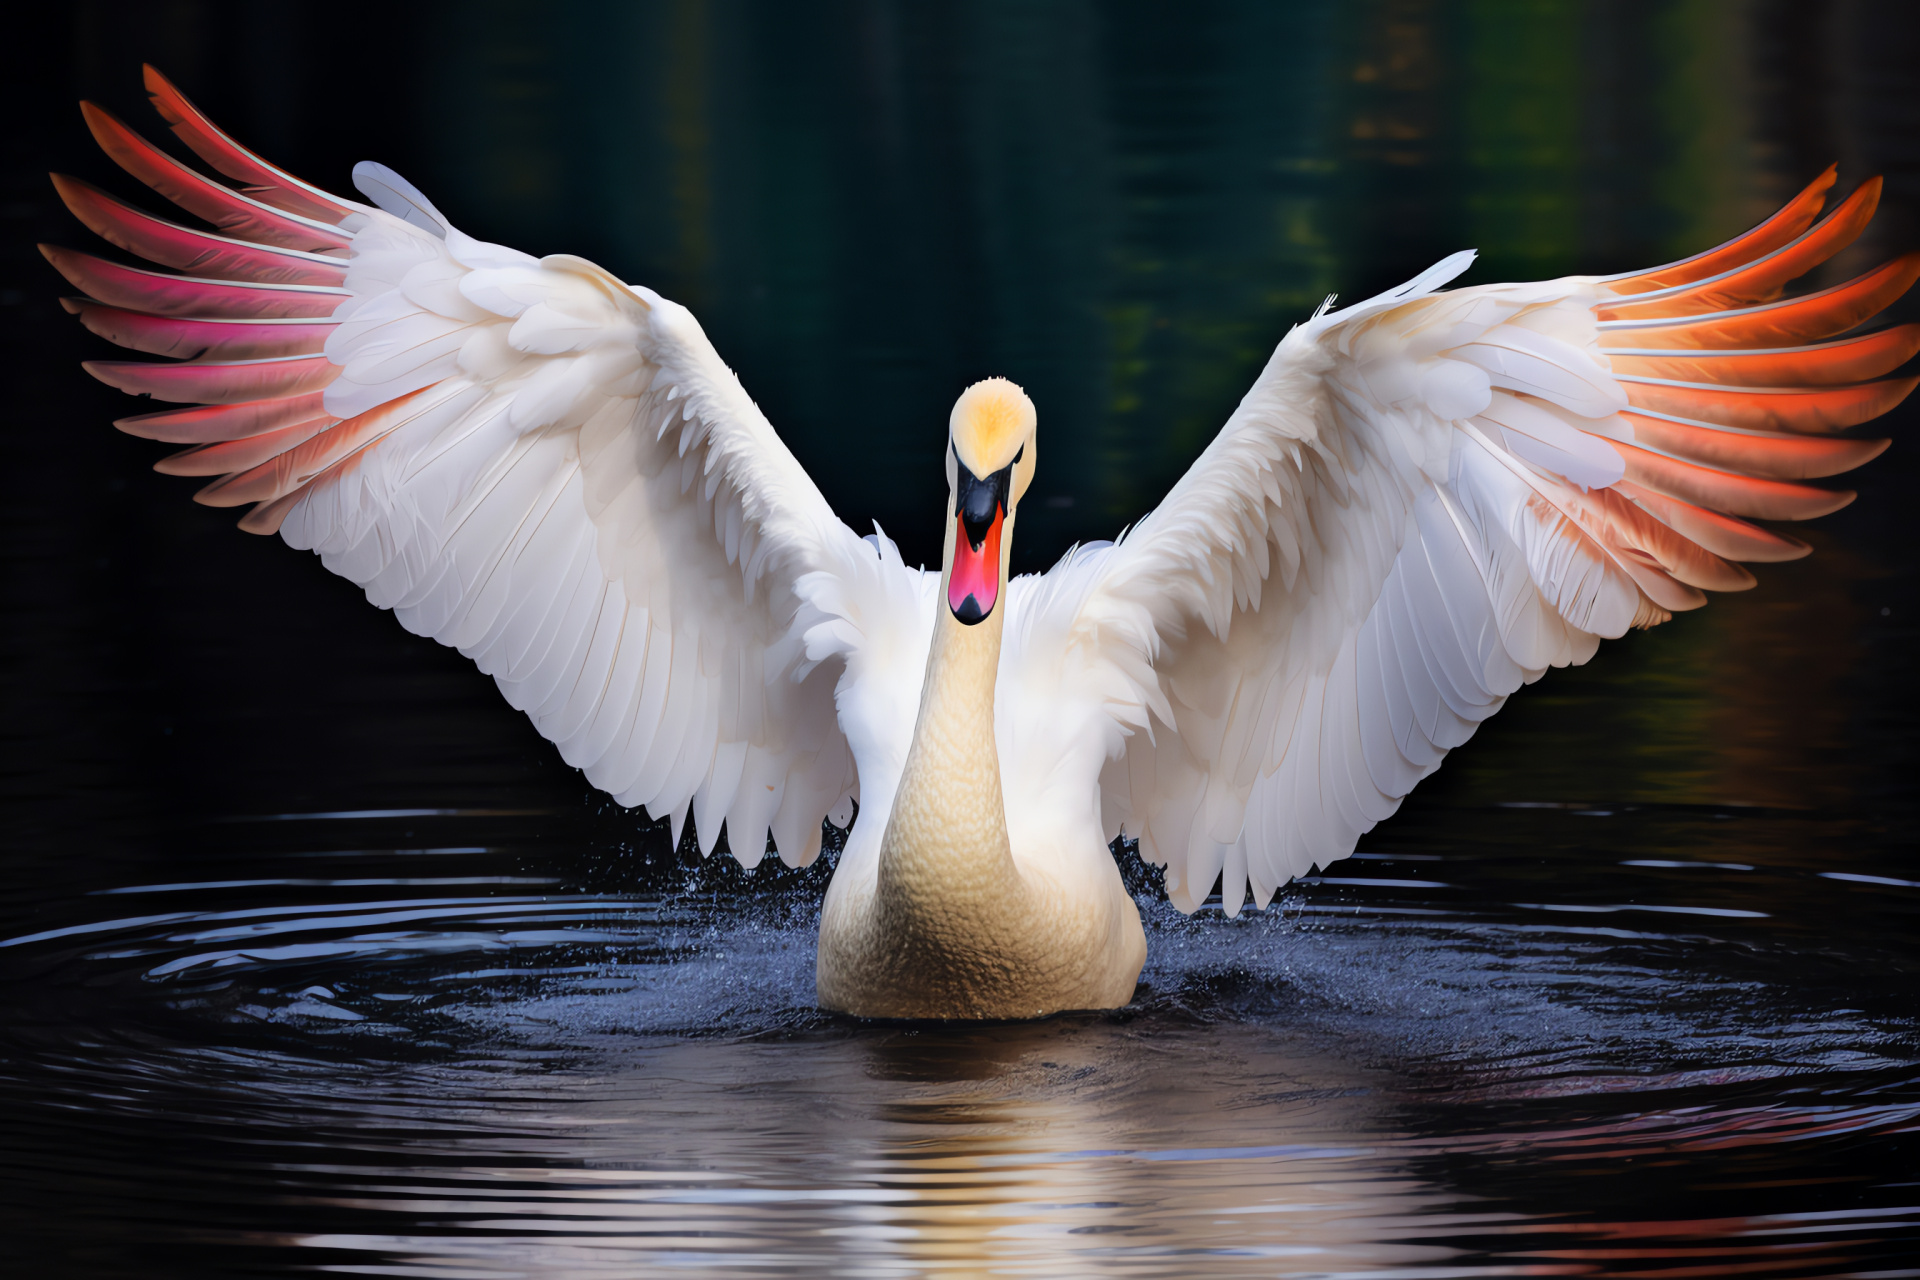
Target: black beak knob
x,y
978,501
978,506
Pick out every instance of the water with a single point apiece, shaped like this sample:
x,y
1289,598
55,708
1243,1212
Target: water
x,y
313,956
435,1045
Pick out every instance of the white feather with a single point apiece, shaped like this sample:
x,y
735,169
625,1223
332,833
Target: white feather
x,y
1397,574
1403,522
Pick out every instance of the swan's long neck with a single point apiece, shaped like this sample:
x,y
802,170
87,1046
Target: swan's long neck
x,y
945,858
940,920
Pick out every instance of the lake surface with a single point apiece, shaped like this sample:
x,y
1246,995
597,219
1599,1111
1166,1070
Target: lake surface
x,y
314,957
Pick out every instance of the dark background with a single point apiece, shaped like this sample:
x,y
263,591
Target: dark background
x,y
870,205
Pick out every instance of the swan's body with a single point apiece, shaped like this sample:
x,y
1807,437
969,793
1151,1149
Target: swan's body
x,y
970,899
1424,502
942,916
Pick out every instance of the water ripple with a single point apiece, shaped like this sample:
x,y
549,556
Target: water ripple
x,y
495,1074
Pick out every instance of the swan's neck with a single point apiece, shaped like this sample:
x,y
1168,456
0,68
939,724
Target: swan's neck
x,y
942,922
945,857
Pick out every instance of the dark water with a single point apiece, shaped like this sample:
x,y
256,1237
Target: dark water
x,y
313,956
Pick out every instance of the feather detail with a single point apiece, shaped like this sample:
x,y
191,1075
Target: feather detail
x,y
190,338
196,252
1782,228
227,456
266,183
286,472
1771,455
1817,412
1828,364
1724,491
159,294
233,213
1773,324
205,423
216,381
1715,533
1761,279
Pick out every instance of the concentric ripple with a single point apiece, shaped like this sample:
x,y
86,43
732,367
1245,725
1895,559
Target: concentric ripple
x,y
426,1054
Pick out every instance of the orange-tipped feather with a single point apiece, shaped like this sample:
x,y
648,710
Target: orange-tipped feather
x,y
1767,454
269,183
1755,409
298,466
266,517
1761,281
1734,494
216,382
1715,533
1794,218
1668,569
1775,324
1666,592
1825,365
205,423
1685,558
226,457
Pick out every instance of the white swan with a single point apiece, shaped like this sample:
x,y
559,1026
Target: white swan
x,y
1424,502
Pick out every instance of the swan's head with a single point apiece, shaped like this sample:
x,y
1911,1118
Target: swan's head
x,y
989,465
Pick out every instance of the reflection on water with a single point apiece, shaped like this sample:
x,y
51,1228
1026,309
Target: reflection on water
x,y
1450,1058
312,956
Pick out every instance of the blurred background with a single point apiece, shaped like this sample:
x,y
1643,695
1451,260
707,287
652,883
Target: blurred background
x,y
870,205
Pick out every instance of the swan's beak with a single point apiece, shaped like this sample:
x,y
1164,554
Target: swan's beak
x,y
979,512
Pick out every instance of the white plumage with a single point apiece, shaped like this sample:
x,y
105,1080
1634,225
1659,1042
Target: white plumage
x,y
1424,502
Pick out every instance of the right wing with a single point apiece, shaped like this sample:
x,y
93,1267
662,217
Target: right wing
x,y
1428,499
523,458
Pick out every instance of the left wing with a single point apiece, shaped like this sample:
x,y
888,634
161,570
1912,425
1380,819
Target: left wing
x,y
523,458
1428,499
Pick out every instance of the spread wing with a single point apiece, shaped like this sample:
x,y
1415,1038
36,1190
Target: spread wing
x,y
523,458
1428,499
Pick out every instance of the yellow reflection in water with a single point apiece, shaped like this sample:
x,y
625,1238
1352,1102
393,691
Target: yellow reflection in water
x,y
1052,1150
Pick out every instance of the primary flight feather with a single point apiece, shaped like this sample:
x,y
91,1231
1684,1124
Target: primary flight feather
x,y
1424,502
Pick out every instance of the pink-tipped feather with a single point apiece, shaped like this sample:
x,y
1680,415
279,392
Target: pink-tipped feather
x,y
188,339
1713,533
227,456
203,424
197,253
160,294
216,382
234,214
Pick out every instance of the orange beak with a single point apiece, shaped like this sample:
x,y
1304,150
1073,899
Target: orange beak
x,y
975,583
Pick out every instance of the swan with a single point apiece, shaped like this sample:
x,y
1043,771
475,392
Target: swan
x,y
1423,502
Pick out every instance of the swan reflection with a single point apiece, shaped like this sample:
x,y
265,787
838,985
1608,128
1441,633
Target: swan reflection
x,y
1035,1150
